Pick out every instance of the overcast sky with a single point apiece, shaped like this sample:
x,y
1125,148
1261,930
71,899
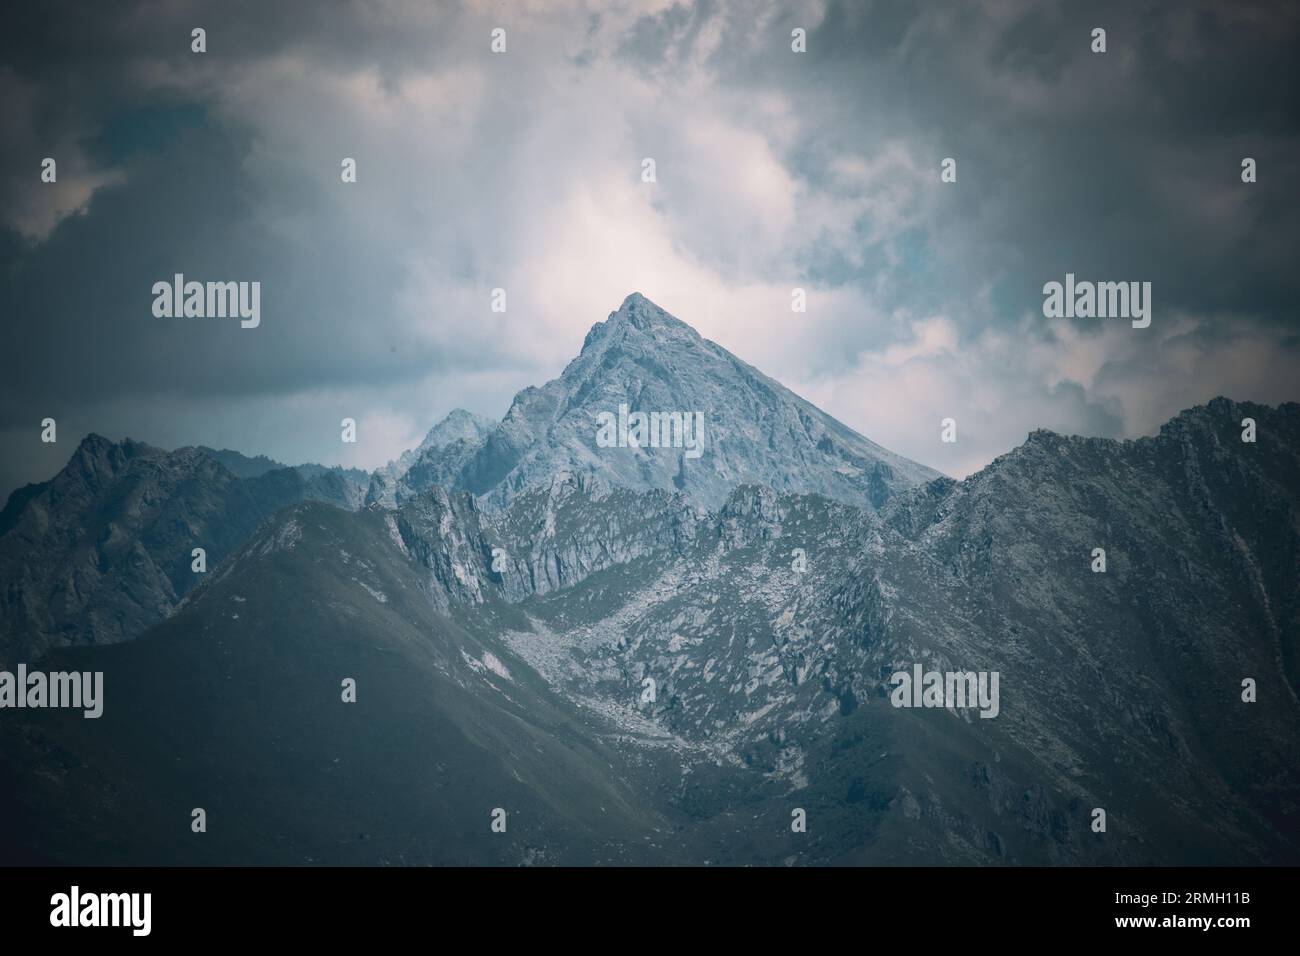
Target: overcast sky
x,y
522,170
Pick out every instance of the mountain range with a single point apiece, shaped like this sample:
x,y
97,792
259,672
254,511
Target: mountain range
x,y
640,657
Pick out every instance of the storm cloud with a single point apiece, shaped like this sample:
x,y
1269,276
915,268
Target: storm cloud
x,y
522,171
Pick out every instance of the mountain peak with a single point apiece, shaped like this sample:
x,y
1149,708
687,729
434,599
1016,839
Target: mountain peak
x,y
637,317
642,361
95,440
641,313
457,425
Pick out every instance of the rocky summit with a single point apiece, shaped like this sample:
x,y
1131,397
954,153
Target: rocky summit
x,y
646,361
633,657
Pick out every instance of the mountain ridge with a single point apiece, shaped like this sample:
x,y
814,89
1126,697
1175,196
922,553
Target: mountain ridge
x,y
770,628
103,550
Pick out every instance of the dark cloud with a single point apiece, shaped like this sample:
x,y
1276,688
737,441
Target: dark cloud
x,y
1120,164
521,171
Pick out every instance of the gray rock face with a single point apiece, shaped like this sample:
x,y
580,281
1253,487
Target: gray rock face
x,y
755,430
103,550
1119,689
550,538
436,461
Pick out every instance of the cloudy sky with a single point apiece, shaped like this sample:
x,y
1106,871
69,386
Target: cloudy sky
x,y
522,170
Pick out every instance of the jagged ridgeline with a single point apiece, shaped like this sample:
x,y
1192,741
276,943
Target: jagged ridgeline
x,y
639,657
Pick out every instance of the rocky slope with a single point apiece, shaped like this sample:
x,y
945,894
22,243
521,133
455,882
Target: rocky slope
x,y
1121,689
103,550
766,632
235,704
435,462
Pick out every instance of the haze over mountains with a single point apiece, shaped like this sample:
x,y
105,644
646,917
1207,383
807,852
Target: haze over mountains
x,y
506,590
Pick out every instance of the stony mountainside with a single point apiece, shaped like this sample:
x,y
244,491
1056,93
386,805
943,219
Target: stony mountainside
x,y
436,461
1121,689
103,550
756,431
235,704
705,674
